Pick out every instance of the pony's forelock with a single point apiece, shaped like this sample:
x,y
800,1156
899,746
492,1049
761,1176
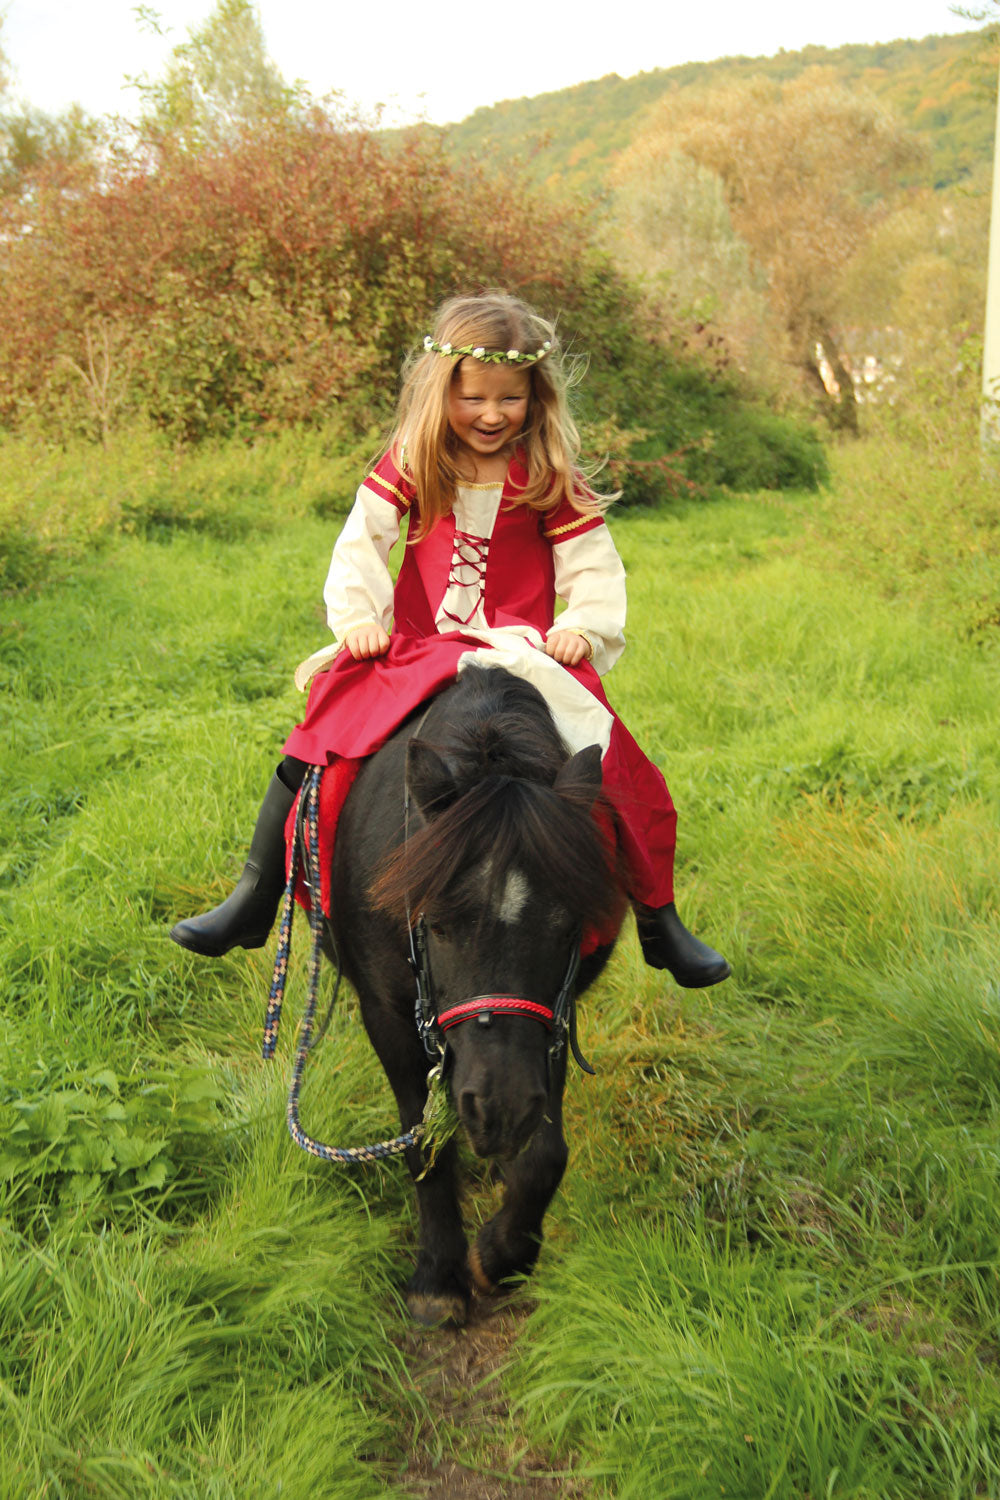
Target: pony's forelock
x,y
503,823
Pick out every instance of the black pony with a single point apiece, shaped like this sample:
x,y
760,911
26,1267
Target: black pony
x,y
475,819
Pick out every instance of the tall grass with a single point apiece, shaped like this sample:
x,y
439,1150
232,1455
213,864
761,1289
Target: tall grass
x,y
186,1310
792,1288
704,1369
772,1271
58,504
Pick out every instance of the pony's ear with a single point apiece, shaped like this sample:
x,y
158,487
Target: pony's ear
x,y
432,786
581,773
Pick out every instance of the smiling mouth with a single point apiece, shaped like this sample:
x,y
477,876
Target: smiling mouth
x,y
489,436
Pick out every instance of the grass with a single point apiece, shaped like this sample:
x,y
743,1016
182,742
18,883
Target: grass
x,y
792,1288
711,1369
58,504
772,1270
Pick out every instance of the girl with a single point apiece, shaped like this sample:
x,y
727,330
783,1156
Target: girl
x,y
483,460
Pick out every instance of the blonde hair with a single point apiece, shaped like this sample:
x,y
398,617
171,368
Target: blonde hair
x,y
422,443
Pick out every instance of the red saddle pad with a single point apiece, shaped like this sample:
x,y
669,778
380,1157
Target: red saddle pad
x,y
338,778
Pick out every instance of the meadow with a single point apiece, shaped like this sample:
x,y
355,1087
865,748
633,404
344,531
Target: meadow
x,y
772,1271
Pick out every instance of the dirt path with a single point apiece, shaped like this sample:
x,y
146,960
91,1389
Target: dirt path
x,y
465,1449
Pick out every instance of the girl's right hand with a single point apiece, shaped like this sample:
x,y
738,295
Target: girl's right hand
x,y
365,641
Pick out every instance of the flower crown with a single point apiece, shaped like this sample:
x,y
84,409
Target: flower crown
x,y
488,356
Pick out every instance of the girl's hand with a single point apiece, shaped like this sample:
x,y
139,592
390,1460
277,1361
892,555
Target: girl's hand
x,y
365,641
568,647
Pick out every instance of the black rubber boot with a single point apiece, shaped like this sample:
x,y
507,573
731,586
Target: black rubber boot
x,y
246,917
667,944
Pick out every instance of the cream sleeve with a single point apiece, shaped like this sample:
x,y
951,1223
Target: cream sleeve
x,y
358,589
590,577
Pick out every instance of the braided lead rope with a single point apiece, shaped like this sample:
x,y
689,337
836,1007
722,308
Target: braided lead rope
x,y
424,1014
343,1155
276,995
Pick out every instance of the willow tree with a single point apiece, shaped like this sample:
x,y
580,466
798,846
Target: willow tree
x,y
808,169
669,228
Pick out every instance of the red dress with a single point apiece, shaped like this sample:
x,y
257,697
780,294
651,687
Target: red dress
x,y
485,578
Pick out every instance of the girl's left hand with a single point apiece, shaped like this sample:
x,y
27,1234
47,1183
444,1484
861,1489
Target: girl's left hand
x,y
568,647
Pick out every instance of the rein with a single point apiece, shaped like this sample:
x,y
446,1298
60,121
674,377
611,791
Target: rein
x,y
559,1018
305,854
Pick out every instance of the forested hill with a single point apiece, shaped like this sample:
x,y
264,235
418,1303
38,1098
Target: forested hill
x,y
943,86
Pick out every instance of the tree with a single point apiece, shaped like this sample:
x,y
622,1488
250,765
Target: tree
x,y
29,137
217,82
987,14
4,65
923,272
808,169
282,280
668,226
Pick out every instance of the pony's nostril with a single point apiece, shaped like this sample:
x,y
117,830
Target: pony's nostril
x,y
471,1108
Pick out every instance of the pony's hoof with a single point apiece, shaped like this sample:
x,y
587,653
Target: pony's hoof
x,y
431,1309
479,1276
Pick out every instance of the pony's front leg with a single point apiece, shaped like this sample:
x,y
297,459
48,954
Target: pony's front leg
x,y
508,1244
438,1290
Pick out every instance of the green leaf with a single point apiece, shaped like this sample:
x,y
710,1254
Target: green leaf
x,y
45,1120
80,1186
133,1151
155,1175
90,1155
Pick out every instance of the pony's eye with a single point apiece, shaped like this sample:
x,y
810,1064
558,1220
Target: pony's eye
x,y
439,931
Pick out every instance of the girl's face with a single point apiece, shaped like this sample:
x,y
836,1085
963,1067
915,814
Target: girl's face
x,y
487,405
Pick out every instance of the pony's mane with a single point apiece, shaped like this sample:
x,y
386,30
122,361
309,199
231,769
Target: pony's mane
x,y
503,752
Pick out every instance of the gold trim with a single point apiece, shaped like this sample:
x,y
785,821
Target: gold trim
x,y
390,487
571,525
497,484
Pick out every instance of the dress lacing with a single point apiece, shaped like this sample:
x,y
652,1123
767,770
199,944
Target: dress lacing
x,y
468,572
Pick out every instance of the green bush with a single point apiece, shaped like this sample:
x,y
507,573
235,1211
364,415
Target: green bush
x,y
759,450
24,558
672,425
711,447
98,1142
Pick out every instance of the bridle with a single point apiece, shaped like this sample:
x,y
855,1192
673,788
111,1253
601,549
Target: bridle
x,y
433,1025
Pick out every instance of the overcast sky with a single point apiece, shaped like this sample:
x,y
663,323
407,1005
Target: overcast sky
x,y
438,58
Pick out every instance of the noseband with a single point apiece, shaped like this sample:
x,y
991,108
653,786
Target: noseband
x,y
485,1006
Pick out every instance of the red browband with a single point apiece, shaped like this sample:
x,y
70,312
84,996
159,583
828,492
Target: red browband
x,y
502,1004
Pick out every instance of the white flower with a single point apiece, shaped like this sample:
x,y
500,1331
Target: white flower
x,y
513,354
478,353
547,345
542,353
428,342
445,348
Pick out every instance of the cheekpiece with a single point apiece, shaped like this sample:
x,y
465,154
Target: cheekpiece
x,y
487,356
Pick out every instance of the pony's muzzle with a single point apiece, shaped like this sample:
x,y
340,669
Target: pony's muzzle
x,y
498,1127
